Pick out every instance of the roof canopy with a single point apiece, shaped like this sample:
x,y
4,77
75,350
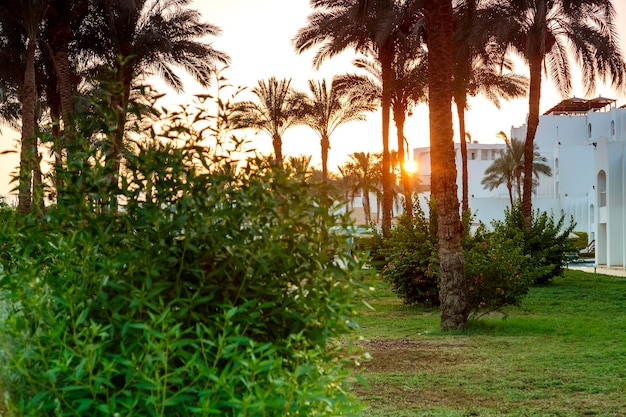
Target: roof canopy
x,y
577,105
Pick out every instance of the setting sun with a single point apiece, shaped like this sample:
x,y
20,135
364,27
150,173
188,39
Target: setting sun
x,y
410,166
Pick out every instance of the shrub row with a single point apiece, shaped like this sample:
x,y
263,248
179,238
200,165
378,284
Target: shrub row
x,y
500,265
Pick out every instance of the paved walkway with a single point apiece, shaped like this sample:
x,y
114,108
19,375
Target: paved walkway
x,y
614,270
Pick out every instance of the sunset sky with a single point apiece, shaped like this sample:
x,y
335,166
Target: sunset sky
x,y
257,35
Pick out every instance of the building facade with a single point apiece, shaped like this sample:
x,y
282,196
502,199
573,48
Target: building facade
x,y
584,142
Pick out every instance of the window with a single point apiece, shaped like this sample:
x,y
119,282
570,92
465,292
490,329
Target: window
x,y
589,130
612,127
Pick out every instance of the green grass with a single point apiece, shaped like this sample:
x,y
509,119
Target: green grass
x,y
561,353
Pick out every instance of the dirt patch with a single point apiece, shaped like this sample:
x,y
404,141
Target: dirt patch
x,y
410,355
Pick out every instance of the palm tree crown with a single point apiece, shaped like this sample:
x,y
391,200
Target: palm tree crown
x,y
546,34
328,107
278,107
508,169
143,38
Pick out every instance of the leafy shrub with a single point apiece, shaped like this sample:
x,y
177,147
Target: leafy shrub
x,y
500,266
545,242
411,260
498,272
210,291
581,241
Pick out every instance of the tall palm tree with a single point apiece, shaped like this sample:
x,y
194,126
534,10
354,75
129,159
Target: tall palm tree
x,y
478,69
21,20
546,34
154,38
328,107
409,87
508,169
453,287
63,20
362,25
64,39
278,107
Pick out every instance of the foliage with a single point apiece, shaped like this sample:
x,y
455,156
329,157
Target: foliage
x,y
508,169
410,253
500,266
209,292
497,270
545,242
581,242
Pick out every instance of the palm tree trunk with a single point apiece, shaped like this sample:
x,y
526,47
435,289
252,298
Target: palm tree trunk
x,y
534,96
28,147
399,118
38,185
367,207
453,287
460,109
115,151
529,145
63,70
509,187
325,143
518,181
385,56
277,143
55,114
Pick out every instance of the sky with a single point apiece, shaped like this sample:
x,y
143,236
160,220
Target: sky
x,y
257,35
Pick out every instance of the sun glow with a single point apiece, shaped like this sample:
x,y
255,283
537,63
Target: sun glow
x,y
410,166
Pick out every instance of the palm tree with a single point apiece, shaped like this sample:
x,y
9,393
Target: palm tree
x,y
478,70
362,25
546,34
154,38
278,107
64,40
62,20
21,19
508,169
11,75
409,87
328,107
364,179
453,287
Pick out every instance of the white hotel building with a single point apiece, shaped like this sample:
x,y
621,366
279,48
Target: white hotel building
x,y
584,142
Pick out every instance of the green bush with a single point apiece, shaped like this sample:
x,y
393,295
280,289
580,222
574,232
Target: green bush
x,y
500,266
498,272
209,291
545,242
581,241
410,255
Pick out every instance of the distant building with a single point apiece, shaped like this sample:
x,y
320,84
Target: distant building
x,y
584,142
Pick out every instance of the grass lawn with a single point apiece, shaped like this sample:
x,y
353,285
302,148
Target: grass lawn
x,y
561,353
